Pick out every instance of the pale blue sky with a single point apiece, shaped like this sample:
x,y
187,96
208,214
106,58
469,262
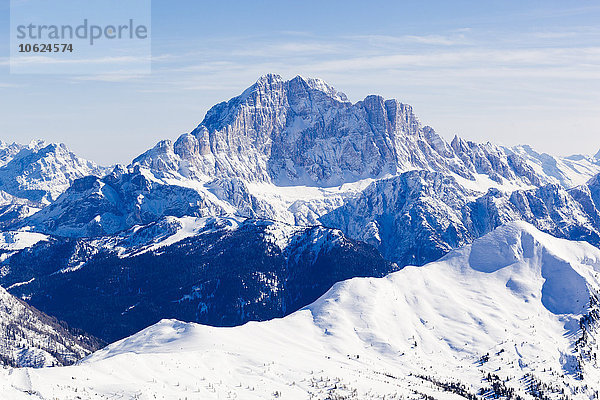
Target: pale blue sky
x,y
510,72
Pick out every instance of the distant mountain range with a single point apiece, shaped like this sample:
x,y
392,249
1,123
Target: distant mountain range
x,y
299,153
278,194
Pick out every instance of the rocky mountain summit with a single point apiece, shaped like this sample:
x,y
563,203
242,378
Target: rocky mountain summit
x,y
304,132
39,172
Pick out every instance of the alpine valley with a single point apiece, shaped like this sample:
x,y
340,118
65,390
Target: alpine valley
x,y
298,245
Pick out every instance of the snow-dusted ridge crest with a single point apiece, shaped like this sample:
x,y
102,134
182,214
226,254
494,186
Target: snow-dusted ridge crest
x,y
272,80
515,311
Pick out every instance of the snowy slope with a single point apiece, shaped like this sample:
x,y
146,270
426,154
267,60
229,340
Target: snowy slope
x,y
507,313
12,242
19,240
14,209
40,172
567,171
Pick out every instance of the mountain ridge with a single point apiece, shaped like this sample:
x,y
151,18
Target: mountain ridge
x,y
39,172
289,178
421,331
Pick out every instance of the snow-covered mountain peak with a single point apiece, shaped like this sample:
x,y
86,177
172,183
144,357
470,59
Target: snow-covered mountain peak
x,y
36,144
33,144
560,275
301,131
40,172
269,83
527,255
304,132
322,86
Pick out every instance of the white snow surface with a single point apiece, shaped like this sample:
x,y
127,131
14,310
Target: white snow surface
x,y
18,240
180,229
515,295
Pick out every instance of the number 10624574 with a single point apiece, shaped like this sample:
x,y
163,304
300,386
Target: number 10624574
x,y
45,48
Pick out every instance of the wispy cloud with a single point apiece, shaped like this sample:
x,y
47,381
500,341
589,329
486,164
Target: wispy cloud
x,y
286,49
571,63
10,85
45,60
123,76
453,39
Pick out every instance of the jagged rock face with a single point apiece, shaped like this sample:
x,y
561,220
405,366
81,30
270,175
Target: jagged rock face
x,y
299,131
29,338
95,206
217,272
234,191
303,131
412,218
8,151
549,208
594,188
569,171
588,196
553,210
40,172
418,216
498,163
